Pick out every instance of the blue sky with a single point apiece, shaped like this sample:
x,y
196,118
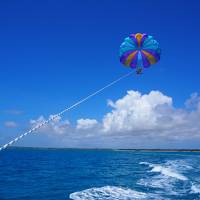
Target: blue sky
x,y
53,53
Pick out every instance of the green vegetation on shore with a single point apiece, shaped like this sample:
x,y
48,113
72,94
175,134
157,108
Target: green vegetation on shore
x,y
135,150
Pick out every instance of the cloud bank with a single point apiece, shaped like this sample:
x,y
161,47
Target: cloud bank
x,y
134,121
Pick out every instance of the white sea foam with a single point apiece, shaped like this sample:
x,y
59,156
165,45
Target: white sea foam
x,y
158,182
165,170
195,188
165,176
180,165
108,193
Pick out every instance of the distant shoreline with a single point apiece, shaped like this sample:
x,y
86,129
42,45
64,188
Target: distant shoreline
x,y
109,149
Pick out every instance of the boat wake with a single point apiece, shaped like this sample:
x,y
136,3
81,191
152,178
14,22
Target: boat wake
x,y
167,180
108,193
165,170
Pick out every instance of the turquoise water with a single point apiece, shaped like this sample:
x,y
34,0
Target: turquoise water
x,y
98,174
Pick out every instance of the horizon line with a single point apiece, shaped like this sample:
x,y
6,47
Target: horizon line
x,y
114,149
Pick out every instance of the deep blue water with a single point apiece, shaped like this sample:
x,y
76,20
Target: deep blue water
x,y
37,174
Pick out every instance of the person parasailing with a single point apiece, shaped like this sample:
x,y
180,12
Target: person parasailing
x,y
138,51
139,71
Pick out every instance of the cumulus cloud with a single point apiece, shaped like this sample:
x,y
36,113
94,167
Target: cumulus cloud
x,y
86,123
10,124
57,126
135,112
135,121
153,116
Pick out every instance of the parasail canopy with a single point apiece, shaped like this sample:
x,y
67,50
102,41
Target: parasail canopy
x,y
139,51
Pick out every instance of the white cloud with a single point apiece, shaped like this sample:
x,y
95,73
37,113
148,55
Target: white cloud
x,y
135,112
135,121
193,102
10,124
86,123
57,126
153,119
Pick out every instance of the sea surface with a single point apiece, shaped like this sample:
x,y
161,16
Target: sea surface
x,y
61,174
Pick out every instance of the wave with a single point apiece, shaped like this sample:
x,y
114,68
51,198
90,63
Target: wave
x,y
108,193
165,170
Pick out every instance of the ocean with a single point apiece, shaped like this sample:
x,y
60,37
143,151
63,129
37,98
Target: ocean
x,y
62,174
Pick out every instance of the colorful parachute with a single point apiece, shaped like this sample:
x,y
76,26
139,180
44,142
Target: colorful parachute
x,y
139,51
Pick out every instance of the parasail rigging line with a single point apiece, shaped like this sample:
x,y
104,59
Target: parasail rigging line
x,y
53,117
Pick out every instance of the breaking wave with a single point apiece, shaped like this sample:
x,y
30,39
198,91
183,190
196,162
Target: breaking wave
x,y
108,193
165,170
167,178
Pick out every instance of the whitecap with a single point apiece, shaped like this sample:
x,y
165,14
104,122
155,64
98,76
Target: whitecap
x,y
195,188
166,176
166,171
181,165
108,193
165,185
